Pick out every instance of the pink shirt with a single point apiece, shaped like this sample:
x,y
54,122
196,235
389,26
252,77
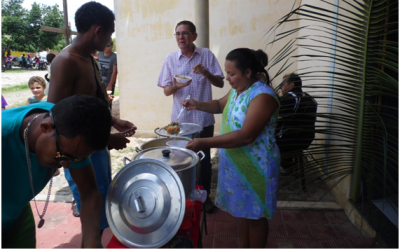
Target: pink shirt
x,y
199,89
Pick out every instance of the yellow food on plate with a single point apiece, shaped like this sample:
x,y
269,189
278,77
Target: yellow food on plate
x,y
181,77
172,128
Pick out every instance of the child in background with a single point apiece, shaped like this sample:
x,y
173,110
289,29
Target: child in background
x,y
37,85
3,103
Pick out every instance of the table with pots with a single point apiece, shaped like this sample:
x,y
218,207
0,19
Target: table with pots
x,y
153,201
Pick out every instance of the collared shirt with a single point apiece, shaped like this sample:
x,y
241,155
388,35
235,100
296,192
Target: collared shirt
x,y
199,89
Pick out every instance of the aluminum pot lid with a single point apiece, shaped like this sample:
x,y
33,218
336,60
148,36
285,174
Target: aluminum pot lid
x,y
186,129
177,158
145,204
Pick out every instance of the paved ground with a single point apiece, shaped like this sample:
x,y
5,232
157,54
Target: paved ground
x,y
287,229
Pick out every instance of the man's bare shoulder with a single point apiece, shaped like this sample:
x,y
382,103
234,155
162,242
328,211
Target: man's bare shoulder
x,y
69,56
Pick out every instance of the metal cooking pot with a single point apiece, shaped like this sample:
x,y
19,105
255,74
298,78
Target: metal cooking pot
x,y
145,204
183,161
189,130
159,142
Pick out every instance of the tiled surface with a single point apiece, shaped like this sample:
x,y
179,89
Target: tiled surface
x,y
61,229
288,229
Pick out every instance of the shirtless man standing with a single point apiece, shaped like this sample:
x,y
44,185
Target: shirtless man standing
x,y
74,71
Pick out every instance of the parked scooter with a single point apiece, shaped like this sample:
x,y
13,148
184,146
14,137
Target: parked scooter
x,y
29,63
9,62
42,65
36,61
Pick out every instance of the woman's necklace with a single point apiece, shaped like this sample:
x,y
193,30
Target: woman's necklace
x,y
28,160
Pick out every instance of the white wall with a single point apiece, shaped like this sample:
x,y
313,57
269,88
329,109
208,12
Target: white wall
x,y
144,31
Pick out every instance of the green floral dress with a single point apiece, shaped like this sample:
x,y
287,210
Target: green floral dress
x,y
248,176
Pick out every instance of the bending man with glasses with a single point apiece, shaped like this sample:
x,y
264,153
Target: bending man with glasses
x,y
202,66
38,139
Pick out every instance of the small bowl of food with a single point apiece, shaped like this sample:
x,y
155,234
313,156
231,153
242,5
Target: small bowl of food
x,y
182,78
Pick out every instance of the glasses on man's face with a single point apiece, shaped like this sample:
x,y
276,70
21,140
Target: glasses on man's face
x,y
108,45
59,155
184,33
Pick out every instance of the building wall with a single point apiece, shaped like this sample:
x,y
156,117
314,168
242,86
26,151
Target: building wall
x,y
144,31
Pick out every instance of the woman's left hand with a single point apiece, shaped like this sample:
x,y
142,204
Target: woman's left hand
x,y
196,145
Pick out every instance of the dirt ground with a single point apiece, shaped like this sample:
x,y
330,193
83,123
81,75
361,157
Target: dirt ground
x,y
8,78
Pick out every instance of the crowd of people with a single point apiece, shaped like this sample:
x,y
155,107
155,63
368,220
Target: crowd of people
x,y
69,126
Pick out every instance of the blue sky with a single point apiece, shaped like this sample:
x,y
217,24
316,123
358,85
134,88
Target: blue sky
x,y
72,6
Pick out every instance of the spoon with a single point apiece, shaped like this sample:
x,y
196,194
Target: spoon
x,y
182,109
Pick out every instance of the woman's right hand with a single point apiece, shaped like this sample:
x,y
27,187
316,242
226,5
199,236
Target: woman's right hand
x,y
190,104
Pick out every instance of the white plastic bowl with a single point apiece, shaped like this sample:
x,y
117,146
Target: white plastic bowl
x,y
177,143
180,80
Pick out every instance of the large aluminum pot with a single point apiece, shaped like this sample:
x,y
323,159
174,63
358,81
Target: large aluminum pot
x,y
183,161
189,130
159,142
145,204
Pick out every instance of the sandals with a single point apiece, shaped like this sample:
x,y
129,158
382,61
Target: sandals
x,y
74,209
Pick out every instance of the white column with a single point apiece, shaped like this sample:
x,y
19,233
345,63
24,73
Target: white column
x,y
201,20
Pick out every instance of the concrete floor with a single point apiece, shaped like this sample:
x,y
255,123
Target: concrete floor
x,y
287,229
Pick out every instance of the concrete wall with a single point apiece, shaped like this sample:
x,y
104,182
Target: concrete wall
x,y
144,32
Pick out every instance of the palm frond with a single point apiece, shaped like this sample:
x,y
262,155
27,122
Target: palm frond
x,y
347,56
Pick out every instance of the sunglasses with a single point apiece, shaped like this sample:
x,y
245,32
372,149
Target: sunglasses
x,y
62,156
108,45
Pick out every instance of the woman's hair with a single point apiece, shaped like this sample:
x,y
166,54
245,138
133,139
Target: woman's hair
x,y
256,61
37,79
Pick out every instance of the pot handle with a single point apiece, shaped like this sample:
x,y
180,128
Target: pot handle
x,y
124,160
137,150
202,153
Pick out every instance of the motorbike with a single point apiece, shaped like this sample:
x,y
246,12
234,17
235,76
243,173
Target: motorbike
x,y
17,62
42,65
36,61
29,63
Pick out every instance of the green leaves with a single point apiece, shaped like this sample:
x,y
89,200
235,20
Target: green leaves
x,y
21,28
347,57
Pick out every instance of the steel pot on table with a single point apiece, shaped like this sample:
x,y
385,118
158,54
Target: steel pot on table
x,y
184,161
